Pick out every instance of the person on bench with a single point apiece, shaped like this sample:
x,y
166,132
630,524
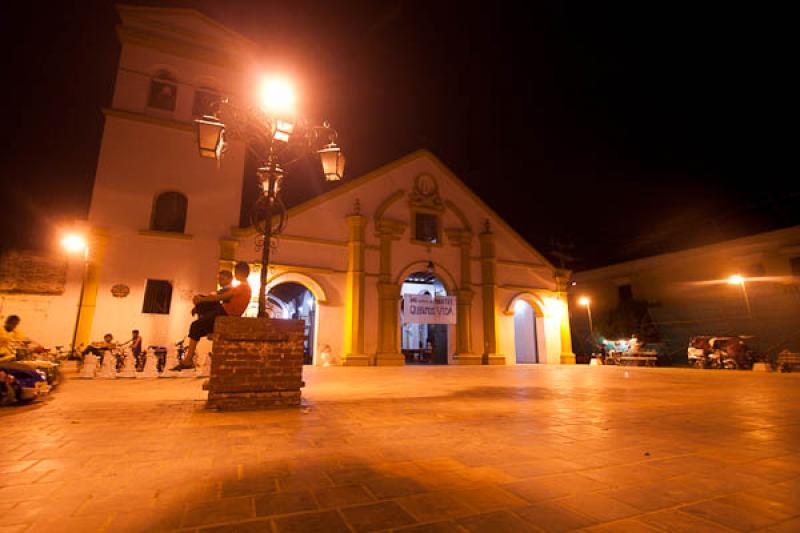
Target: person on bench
x,y
229,300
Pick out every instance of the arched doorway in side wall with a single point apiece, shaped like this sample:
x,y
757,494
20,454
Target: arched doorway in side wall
x,y
293,301
423,343
526,342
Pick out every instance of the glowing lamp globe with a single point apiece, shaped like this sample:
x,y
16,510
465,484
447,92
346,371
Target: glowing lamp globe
x,y
736,280
583,300
277,97
74,243
283,129
332,160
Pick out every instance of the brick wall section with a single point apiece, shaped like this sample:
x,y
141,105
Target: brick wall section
x,y
257,363
27,272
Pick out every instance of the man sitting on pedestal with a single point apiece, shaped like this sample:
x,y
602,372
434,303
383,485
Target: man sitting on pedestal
x,y
229,300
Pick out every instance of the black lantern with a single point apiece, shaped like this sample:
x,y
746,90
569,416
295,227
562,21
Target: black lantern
x,y
332,160
210,137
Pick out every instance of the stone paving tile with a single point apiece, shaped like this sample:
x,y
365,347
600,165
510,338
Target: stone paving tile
x,y
393,487
539,467
342,496
675,521
218,511
598,507
496,522
284,503
316,522
741,515
436,527
262,525
545,488
377,516
488,499
552,518
621,526
19,528
433,506
790,526
243,487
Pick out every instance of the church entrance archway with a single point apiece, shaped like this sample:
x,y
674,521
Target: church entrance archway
x,y
526,336
291,300
423,343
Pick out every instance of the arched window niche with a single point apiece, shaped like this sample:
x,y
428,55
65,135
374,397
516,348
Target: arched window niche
x,y
163,91
169,212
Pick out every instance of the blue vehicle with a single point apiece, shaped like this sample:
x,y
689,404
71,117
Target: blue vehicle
x,y
29,383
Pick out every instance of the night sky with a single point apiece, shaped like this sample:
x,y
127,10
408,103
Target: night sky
x,y
620,128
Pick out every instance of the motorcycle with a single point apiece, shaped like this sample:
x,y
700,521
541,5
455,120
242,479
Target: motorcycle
x,y
720,352
40,360
22,383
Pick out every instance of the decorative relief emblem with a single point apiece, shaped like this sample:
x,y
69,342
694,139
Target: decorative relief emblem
x,y
426,193
120,291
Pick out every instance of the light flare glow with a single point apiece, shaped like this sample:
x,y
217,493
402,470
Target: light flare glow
x,y
277,96
74,243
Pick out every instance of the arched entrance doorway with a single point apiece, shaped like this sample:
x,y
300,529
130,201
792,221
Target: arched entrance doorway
x,y
423,343
294,301
526,336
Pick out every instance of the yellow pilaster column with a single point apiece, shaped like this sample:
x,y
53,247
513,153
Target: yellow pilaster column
x,y
464,354
354,295
98,242
489,297
388,297
567,355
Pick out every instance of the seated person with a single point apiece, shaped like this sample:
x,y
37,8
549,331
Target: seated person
x,y
136,349
633,346
12,339
98,348
228,301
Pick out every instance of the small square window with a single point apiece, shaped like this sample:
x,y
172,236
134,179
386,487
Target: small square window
x,y
426,228
157,297
625,293
163,95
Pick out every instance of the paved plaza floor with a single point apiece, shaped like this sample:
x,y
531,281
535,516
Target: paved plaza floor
x,y
525,448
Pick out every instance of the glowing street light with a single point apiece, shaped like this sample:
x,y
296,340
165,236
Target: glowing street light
x,y
272,133
277,97
74,243
587,303
736,279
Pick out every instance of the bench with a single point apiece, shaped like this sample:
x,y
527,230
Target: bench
x,y
786,360
638,360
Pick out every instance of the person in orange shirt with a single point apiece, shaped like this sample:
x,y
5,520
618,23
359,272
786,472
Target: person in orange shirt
x,y
228,301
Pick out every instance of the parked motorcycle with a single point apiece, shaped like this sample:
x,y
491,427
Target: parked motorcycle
x,y
730,352
22,383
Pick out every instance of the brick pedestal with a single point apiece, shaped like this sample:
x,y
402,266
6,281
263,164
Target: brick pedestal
x,y
257,363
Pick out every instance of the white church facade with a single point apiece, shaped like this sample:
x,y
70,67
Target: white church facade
x,y
163,221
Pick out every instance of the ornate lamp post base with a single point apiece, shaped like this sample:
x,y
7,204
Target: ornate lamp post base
x,y
257,364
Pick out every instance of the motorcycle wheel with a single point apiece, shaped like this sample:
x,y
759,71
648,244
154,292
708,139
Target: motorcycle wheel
x,y
730,365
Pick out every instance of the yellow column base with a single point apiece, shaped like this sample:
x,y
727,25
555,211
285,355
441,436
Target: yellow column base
x,y
360,359
495,359
567,358
467,359
389,359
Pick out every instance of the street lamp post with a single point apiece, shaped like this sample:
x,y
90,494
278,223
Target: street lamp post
x,y
742,282
587,303
73,243
276,138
